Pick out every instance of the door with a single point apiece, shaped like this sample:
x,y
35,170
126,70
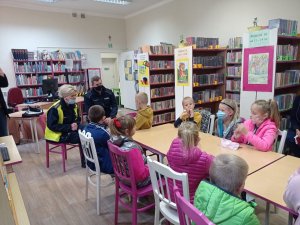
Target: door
x,y
109,75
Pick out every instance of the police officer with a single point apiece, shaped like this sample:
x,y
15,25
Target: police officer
x,y
99,95
3,107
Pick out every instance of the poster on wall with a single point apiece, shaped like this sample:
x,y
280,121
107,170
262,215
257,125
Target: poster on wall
x,y
143,70
92,72
128,70
183,72
258,69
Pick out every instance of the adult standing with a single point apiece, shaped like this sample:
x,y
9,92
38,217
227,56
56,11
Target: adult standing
x,y
3,107
100,95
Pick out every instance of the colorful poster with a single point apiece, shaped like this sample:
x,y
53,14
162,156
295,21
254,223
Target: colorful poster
x,y
143,70
258,69
128,70
183,64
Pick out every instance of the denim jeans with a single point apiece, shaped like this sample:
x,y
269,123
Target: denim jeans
x,y
3,124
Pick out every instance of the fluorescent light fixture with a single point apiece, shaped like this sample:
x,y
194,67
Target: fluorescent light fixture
x,y
47,1
117,2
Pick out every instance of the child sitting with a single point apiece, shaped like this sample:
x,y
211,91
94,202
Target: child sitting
x,y
227,118
185,156
220,199
188,114
97,129
261,129
122,129
292,194
144,117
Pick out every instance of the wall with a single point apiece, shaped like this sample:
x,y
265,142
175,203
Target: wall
x,y
206,18
22,28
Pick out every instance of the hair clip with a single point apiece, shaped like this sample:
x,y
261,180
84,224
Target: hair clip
x,y
117,123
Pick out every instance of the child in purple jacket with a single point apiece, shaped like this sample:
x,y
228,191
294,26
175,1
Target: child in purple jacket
x,y
185,157
262,127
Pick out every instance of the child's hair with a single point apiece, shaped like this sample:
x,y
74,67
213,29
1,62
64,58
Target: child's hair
x,y
96,113
271,108
188,132
143,97
228,172
118,126
187,98
232,105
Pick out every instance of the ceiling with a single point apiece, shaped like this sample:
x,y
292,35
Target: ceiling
x,y
89,7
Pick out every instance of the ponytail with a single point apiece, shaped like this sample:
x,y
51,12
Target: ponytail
x,y
271,108
119,125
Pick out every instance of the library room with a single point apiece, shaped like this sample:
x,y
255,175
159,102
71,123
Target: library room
x,y
149,112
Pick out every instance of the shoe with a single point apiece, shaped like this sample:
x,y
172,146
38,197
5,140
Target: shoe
x,y
83,165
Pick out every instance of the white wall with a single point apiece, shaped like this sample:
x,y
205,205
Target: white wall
x,y
206,18
32,30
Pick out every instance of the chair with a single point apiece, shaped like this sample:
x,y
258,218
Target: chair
x,y
207,122
188,213
282,134
164,202
63,151
90,153
125,165
14,97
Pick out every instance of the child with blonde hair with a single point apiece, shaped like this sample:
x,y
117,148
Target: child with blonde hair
x,y
188,113
185,156
262,127
122,129
144,117
220,199
227,118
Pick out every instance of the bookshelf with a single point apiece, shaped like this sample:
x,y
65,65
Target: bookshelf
x,y
287,76
30,72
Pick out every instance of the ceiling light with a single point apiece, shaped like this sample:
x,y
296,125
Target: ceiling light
x,y
48,1
117,2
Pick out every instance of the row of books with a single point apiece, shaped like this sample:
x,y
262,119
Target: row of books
x,y
20,54
162,78
167,104
30,79
164,118
236,42
234,71
162,64
285,27
233,96
285,101
32,92
204,79
233,85
202,42
288,77
32,67
162,49
285,123
163,91
207,96
76,78
208,61
286,52
234,57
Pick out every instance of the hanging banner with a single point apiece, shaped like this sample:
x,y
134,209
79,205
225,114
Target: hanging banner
x,y
259,38
143,70
183,72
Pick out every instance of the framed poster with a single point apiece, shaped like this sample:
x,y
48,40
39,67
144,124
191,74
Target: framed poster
x,y
91,72
258,69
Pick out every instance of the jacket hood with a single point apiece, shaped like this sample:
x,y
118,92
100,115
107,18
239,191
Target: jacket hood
x,y
147,112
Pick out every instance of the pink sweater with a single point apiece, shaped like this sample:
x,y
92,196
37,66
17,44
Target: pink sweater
x,y
196,165
264,137
292,194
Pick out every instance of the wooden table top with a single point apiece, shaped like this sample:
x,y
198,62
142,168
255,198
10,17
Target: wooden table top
x,y
158,139
43,105
270,182
12,150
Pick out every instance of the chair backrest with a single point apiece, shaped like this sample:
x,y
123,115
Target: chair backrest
x,y
14,97
188,213
211,123
160,173
89,148
207,122
283,134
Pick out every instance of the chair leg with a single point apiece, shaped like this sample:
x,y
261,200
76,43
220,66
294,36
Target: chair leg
x,y
47,154
64,157
66,152
134,210
156,215
116,202
98,194
86,183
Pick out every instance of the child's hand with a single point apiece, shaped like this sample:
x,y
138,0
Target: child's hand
x,y
236,134
298,132
184,115
242,129
74,126
191,113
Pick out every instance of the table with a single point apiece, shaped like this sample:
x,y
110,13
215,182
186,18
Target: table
x,y
158,140
13,152
270,182
43,105
32,120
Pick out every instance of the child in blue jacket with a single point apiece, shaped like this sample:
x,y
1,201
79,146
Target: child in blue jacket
x,y
97,129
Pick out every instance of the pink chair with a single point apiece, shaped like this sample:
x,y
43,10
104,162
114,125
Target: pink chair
x,y
187,212
126,171
63,151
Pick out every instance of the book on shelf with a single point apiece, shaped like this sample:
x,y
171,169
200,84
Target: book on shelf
x,y
162,49
234,57
286,78
286,52
164,118
236,42
161,92
161,64
160,105
285,101
285,27
207,79
208,61
233,85
233,96
202,42
162,78
207,96
285,123
234,71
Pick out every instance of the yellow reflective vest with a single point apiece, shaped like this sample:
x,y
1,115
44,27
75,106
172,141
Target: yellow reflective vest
x,y
52,135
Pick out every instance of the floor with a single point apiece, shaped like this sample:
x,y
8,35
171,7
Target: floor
x,y
55,198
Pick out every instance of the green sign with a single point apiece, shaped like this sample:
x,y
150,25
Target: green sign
x,y
259,38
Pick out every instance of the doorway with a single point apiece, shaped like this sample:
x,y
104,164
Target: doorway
x,y
109,70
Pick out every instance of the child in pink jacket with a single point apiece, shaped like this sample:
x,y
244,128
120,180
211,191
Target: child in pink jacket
x,y
261,129
292,194
185,156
